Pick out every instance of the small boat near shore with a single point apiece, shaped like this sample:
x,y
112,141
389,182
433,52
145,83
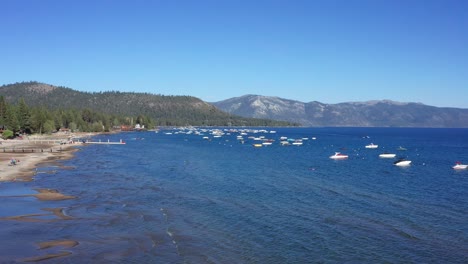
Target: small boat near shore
x,y
387,155
402,162
338,155
459,166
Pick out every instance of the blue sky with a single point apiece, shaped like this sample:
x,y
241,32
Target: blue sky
x,y
329,51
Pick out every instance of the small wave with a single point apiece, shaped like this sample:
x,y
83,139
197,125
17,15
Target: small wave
x,y
164,212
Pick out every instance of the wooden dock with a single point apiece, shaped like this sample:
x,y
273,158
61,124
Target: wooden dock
x,y
121,142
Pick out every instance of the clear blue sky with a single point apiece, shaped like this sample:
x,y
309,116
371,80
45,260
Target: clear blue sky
x,y
312,50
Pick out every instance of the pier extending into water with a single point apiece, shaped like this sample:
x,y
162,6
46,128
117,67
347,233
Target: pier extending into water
x,y
46,145
121,142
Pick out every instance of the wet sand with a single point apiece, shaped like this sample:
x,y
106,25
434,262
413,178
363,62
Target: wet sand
x,y
52,244
38,217
29,155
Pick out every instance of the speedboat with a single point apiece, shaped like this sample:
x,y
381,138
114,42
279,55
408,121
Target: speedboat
x,y
372,146
402,162
459,166
297,142
338,155
387,155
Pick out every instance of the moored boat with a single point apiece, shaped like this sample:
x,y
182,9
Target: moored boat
x,y
459,166
402,162
339,155
297,143
372,146
387,155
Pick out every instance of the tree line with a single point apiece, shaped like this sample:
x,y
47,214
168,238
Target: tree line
x,y
21,118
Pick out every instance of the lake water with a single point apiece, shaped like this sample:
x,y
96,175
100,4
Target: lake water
x,y
182,199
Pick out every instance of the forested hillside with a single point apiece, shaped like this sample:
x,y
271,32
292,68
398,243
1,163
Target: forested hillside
x,y
65,106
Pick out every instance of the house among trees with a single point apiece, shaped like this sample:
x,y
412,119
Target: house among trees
x,y
64,130
126,128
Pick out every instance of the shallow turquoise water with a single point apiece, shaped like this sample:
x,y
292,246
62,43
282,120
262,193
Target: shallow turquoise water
x,y
182,199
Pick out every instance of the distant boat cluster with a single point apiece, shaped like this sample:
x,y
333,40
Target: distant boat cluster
x,y
259,139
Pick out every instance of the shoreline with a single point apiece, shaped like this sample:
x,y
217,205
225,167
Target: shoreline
x,y
31,154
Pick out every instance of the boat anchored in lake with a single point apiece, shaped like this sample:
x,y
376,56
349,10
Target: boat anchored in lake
x,y
372,146
459,166
339,155
402,162
387,155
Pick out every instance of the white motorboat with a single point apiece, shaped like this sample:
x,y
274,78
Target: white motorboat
x,y
372,146
459,166
387,155
338,155
297,143
402,162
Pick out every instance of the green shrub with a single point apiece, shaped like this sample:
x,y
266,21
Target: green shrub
x,y
7,134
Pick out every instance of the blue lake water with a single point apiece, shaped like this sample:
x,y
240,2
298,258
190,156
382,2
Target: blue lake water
x,y
182,199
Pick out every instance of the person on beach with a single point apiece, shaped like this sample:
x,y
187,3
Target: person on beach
x,y
14,161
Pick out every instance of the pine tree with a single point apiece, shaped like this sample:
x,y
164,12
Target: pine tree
x,y
39,117
3,107
24,116
11,119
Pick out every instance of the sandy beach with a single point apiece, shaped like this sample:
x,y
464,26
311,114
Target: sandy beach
x,y
30,152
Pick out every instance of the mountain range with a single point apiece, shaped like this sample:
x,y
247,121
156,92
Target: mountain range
x,y
379,113
247,110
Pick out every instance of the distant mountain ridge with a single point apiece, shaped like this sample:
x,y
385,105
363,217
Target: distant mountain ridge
x,y
377,113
